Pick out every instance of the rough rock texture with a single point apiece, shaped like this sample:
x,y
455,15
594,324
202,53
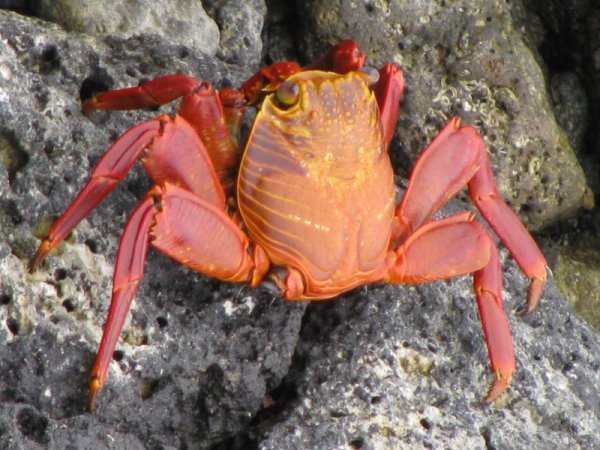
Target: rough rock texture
x,y
240,24
202,364
423,345
197,358
177,21
578,275
465,58
568,39
570,46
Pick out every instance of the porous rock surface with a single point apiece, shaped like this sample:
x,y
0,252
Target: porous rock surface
x,y
177,21
202,364
570,42
465,59
189,340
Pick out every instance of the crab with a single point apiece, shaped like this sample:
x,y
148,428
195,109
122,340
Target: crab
x,y
306,206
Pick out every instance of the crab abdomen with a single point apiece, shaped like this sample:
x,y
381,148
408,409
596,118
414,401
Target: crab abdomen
x,y
315,187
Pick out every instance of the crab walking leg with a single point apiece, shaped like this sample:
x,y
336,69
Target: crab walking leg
x,y
449,247
508,226
111,169
234,110
216,117
187,228
129,270
453,246
443,168
174,153
155,92
487,284
203,237
180,157
388,91
455,158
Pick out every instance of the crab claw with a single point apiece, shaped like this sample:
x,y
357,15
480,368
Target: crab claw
x,y
342,58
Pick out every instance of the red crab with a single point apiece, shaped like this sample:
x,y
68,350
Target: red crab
x,y
306,205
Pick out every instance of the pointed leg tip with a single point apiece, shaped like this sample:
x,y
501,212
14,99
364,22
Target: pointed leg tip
x,y
497,388
33,265
91,403
536,289
95,386
39,257
524,312
89,105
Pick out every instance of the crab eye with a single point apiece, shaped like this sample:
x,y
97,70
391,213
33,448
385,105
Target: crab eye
x,y
288,93
370,74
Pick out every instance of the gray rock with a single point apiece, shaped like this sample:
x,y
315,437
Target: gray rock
x,y
570,44
571,107
465,59
568,41
199,361
241,23
406,367
577,273
15,5
178,21
196,359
